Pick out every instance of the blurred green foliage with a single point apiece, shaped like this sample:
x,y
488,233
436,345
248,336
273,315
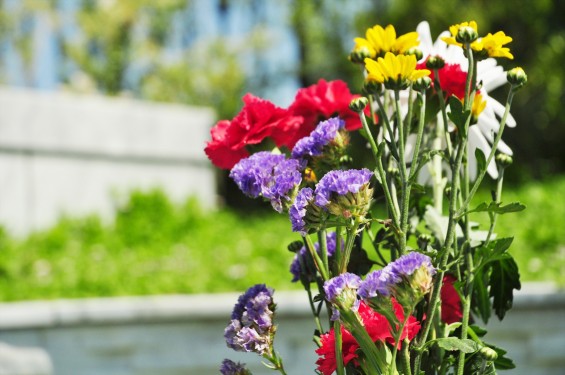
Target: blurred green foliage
x,y
154,246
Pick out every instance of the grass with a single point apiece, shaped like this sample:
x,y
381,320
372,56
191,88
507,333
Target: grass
x,y
154,247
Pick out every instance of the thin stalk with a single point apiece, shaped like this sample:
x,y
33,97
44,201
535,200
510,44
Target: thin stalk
x,y
415,164
405,184
351,233
443,110
315,313
338,250
466,306
317,260
323,246
338,346
397,336
497,199
388,128
406,357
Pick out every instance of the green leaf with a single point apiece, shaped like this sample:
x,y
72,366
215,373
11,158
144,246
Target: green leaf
x,y
494,251
457,115
481,160
454,343
504,278
495,207
481,299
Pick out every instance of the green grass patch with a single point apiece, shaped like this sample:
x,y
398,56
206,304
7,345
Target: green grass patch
x,y
155,247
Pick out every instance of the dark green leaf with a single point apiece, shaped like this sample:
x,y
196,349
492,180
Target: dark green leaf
x,y
504,278
359,262
495,250
457,115
481,299
479,331
453,343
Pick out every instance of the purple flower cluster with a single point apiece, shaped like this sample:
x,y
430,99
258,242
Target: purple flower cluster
x,y
297,211
269,175
251,323
303,256
230,367
340,182
383,282
313,145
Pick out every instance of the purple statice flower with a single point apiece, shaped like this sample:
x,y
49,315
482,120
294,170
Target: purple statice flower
x,y
313,145
335,286
230,367
341,291
303,256
269,175
407,264
340,182
377,283
297,211
251,325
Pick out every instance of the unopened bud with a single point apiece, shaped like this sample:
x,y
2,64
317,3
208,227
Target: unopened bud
x,y
358,55
422,84
488,353
295,246
372,87
435,62
517,77
503,160
466,35
424,240
358,104
416,52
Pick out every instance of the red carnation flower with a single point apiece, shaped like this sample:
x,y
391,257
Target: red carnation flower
x,y
322,101
377,327
451,310
451,78
259,119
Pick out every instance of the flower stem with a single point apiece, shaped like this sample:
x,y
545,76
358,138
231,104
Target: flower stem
x,y
405,183
338,345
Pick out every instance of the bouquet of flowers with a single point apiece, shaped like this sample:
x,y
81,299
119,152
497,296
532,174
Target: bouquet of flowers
x,y
409,304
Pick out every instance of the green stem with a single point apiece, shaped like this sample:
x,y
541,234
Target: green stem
x,y
397,336
497,199
338,345
322,241
351,234
466,306
415,164
405,184
406,357
317,260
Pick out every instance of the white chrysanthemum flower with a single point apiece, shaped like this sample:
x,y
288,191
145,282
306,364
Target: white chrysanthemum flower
x,y
492,76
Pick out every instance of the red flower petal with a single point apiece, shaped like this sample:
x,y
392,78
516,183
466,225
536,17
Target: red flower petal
x,y
451,310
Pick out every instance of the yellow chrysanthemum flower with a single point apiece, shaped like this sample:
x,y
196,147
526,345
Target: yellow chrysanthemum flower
x,y
488,46
394,71
379,41
479,104
493,45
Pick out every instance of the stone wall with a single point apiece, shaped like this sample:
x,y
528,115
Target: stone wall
x,y
70,154
174,335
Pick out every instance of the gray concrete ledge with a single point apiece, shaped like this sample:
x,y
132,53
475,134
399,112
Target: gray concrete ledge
x,y
202,307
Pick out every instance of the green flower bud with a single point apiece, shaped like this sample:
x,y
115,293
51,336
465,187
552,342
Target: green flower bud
x,y
424,240
352,204
488,353
422,84
358,104
416,52
435,62
503,160
372,87
466,34
359,55
517,77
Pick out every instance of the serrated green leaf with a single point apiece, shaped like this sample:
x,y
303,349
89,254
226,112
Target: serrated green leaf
x,y
501,362
495,250
504,278
479,331
495,207
454,343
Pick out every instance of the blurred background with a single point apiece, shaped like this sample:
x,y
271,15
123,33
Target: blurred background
x,y
106,105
